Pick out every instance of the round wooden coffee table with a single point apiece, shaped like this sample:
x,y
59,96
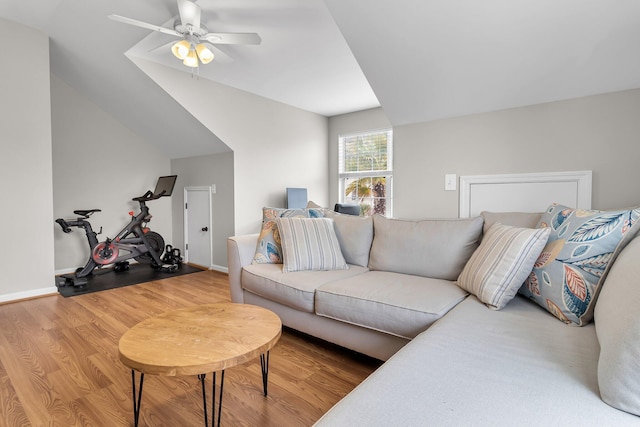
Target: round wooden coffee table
x,y
198,340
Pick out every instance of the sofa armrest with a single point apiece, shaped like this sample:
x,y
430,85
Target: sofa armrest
x,y
240,251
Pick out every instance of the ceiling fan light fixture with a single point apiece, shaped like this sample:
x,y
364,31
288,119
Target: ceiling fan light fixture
x,y
181,49
204,53
188,28
191,60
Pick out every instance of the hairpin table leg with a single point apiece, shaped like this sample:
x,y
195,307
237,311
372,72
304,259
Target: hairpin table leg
x,y
136,401
264,366
201,377
213,399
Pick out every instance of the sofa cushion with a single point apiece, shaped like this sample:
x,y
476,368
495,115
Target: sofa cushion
x,y
295,289
309,244
617,319
502,262
480,367
355,234
582,246
398,304
436,248
269,247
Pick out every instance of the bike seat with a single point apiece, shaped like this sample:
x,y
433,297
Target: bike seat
x,y
86,213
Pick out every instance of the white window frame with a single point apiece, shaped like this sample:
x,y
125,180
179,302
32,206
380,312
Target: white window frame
x,y
342,175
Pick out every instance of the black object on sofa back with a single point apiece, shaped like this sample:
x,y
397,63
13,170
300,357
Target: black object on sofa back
x,y
347,209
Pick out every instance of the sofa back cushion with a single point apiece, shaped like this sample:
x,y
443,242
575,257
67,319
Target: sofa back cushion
x,y
355,234
436,248
515,219
617,320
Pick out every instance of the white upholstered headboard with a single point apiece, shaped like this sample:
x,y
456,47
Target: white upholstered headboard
x,y
528,192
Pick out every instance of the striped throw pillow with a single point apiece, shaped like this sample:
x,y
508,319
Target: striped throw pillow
x,y
310,244
502,263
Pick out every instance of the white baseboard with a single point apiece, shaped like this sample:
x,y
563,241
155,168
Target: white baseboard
x,y
16,296
220,268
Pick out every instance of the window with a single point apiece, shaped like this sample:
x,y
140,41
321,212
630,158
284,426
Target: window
x,y
366,171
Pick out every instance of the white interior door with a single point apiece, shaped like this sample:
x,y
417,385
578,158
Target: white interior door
x,y
197,226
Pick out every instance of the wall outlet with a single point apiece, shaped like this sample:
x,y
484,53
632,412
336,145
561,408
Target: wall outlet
x,y
450,181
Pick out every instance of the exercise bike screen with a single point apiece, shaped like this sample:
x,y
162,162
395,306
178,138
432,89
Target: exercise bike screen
x,y
166,184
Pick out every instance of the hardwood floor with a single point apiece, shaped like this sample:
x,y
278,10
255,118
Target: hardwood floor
x,y
59,364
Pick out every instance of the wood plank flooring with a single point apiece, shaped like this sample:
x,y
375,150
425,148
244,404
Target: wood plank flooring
x,y
59,365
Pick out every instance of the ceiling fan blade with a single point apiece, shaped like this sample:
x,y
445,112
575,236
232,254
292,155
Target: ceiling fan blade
x,y
144,25
189,13
232,38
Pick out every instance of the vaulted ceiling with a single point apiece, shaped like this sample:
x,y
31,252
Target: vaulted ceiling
x,y
433,59
420,60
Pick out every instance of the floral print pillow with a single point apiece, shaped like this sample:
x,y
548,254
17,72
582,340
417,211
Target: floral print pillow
x,y
583,244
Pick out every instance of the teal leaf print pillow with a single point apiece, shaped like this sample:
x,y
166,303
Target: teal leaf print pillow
x,y
582,246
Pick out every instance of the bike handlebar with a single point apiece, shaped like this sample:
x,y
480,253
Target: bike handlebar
x,y
63,224
149,196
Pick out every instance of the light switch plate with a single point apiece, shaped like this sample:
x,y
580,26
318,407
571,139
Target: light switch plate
x,y
450,181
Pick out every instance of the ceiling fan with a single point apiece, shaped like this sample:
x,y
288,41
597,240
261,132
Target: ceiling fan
x,y
192,48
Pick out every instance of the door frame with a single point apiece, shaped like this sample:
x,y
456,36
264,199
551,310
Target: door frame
x,y
186,223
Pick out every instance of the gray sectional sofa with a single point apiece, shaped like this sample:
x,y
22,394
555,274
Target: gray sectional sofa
x,y
451,360
396,286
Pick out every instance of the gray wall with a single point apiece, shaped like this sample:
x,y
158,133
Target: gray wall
x,y
274,145
98,163
599,133
26,216
203,171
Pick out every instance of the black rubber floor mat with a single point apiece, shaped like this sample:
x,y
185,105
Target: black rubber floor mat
x,y
102,280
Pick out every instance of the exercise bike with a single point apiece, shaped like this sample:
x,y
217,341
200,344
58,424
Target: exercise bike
x,y
134,241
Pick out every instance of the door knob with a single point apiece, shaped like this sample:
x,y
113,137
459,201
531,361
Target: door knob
x,y
205,228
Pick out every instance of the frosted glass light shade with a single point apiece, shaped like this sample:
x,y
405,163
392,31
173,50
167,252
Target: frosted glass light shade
x,y
204,53
181,49
191,60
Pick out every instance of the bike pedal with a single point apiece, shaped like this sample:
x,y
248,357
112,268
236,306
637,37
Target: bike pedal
x,y
121,266
80,282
